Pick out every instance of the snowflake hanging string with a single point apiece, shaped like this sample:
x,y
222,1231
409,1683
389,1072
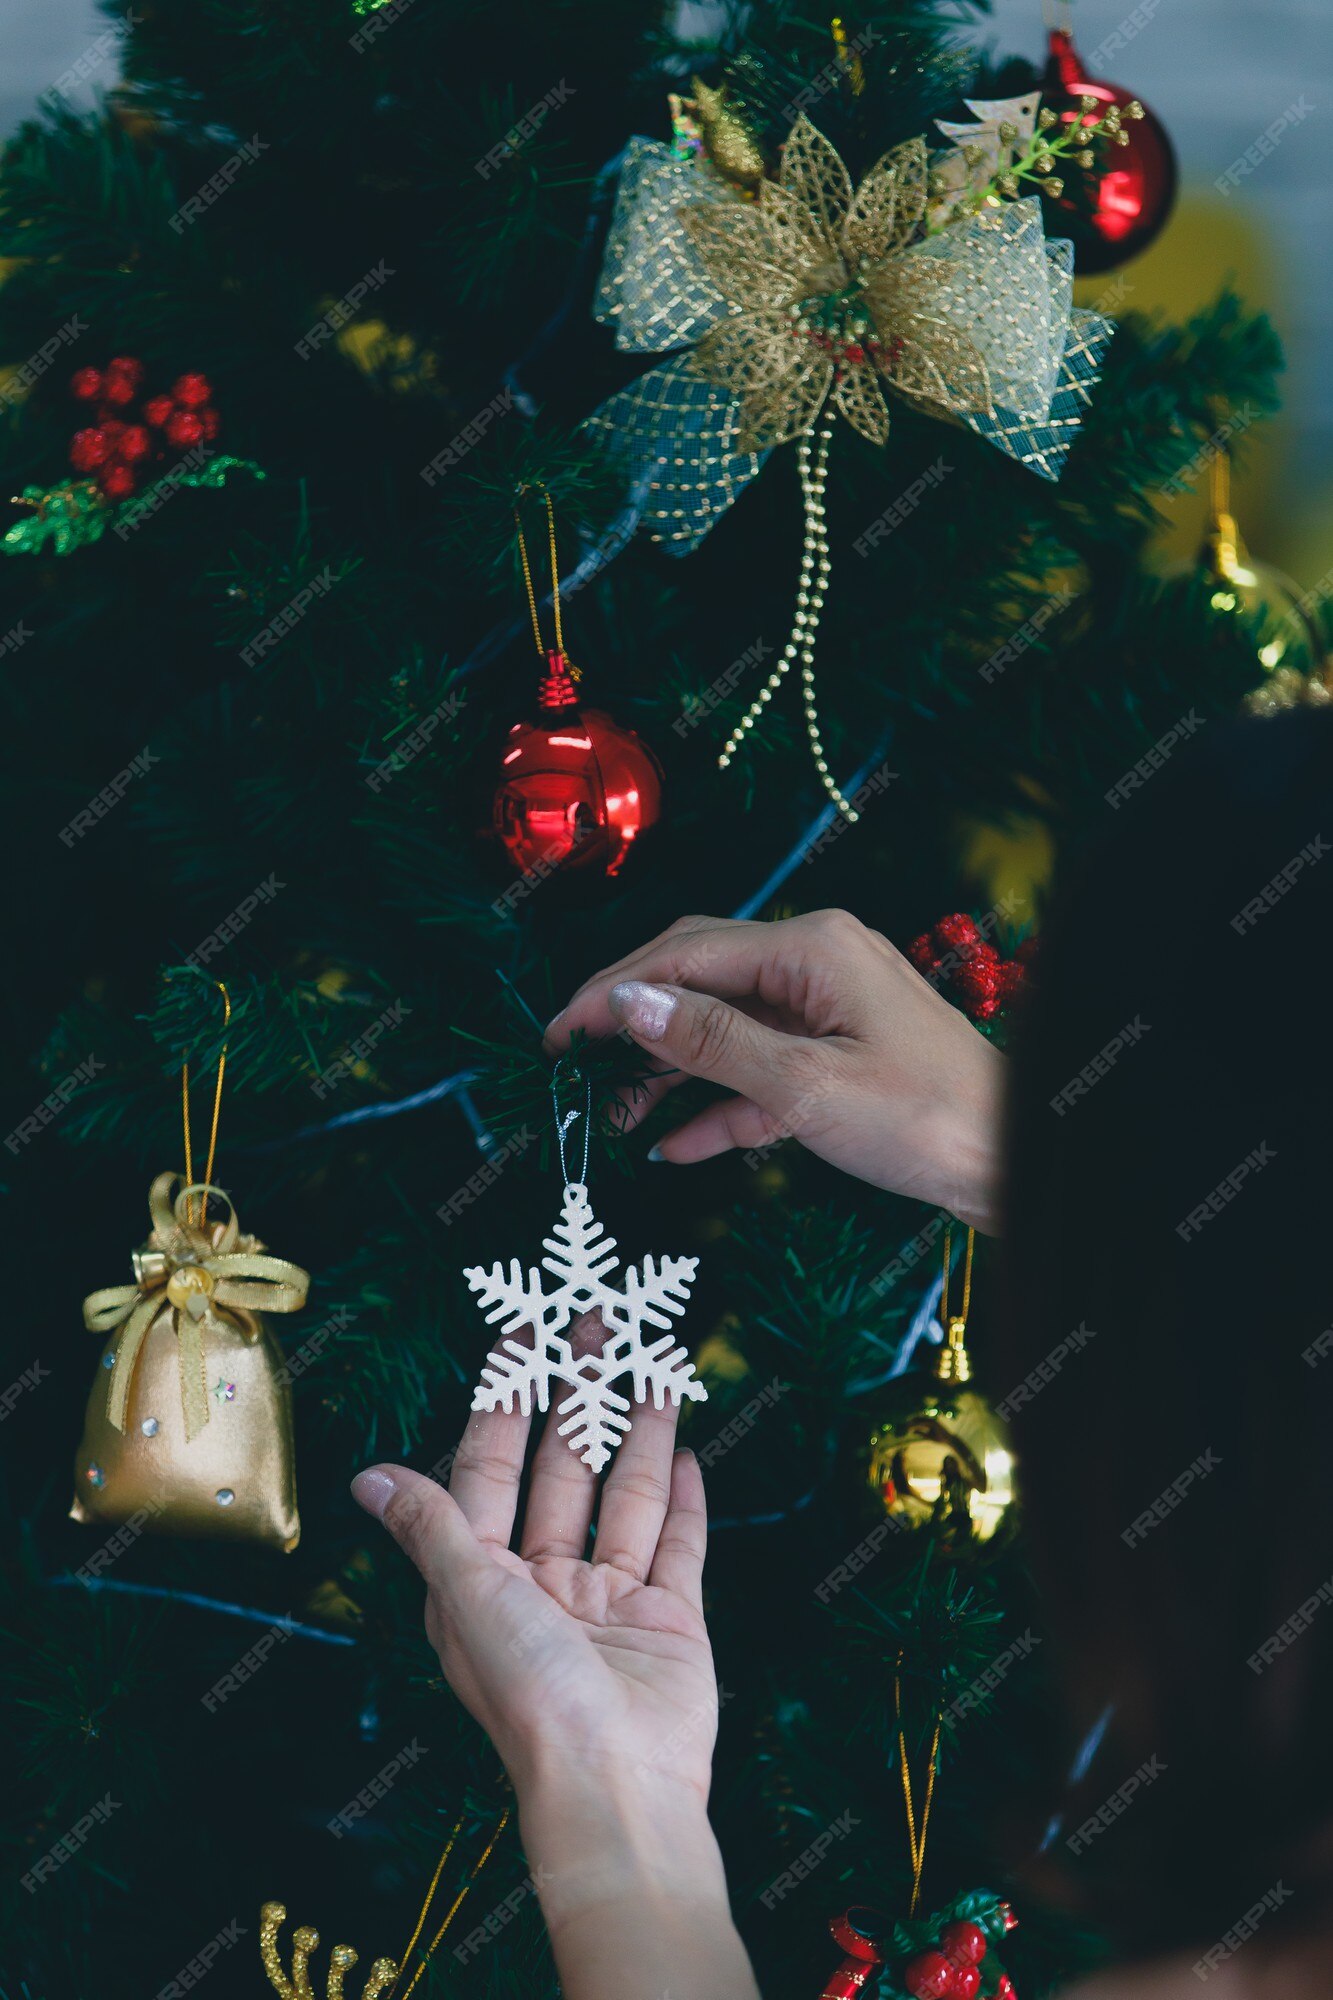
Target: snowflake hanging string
x,y
637,1318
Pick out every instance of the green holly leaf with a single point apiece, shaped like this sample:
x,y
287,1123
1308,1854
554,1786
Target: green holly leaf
x,y
209,472
76,515
72,517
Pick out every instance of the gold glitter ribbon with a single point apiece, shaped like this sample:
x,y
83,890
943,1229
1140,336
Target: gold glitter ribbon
x,y
191,1270
821,293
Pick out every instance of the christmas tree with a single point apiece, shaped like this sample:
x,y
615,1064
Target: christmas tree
x,y
255,713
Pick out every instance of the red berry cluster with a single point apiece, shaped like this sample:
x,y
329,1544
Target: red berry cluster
x,y
955,954
952,1971
883,353
120,446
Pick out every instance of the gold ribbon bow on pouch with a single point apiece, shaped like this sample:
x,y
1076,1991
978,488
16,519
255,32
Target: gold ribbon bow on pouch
x,y
194,1270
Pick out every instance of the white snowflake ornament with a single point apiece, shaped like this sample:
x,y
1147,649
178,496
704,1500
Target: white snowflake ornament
x,y
581,1258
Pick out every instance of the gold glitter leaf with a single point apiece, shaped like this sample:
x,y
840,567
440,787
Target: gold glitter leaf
x,y
815,176
766,254
888,206
780,383
861,400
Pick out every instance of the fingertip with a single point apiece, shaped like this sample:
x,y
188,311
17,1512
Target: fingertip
x,y
645,1010
555,1034
373,1489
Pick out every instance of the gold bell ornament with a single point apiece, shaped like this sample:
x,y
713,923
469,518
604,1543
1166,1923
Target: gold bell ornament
x,y
188,1429
940,1457
1287,640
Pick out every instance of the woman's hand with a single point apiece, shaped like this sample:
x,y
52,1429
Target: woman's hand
x,y
560,1660
824,1033
594,1679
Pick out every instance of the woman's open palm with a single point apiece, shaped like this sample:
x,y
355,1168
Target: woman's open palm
x,y
605,1659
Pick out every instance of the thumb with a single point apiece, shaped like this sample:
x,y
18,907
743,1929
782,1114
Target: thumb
x,y
703,1036
427,1523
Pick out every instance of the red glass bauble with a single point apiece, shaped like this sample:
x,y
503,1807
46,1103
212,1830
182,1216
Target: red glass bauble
x,y
576,790
1114,209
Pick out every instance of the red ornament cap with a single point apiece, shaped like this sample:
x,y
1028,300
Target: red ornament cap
x,y
556,689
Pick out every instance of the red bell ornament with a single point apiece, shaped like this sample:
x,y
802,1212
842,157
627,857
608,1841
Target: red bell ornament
x,y
576,789
1121,202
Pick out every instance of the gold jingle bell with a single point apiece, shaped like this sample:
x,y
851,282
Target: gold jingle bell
x,y
1287,637
189,1288
940,1458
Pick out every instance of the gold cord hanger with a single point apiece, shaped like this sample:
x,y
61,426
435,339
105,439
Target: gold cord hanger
x,y
202,1217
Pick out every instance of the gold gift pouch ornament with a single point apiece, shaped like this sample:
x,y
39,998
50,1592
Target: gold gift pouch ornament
x,y
189,1424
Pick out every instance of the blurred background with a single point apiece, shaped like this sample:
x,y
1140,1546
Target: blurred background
x,y
1217,72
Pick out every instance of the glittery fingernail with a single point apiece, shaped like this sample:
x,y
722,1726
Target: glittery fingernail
x,y
645,1010
373,1490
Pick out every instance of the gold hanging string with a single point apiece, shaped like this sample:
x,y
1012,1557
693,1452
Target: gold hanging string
x,y
527,572
916,1842
1219,481
449,1846
202,1216
454,1907
961,1317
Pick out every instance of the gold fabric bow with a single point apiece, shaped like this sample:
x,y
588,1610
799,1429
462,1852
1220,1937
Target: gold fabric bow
x,y
192,1270
830,288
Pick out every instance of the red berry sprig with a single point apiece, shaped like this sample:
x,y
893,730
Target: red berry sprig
x,y
118,447
954,955
951,1968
